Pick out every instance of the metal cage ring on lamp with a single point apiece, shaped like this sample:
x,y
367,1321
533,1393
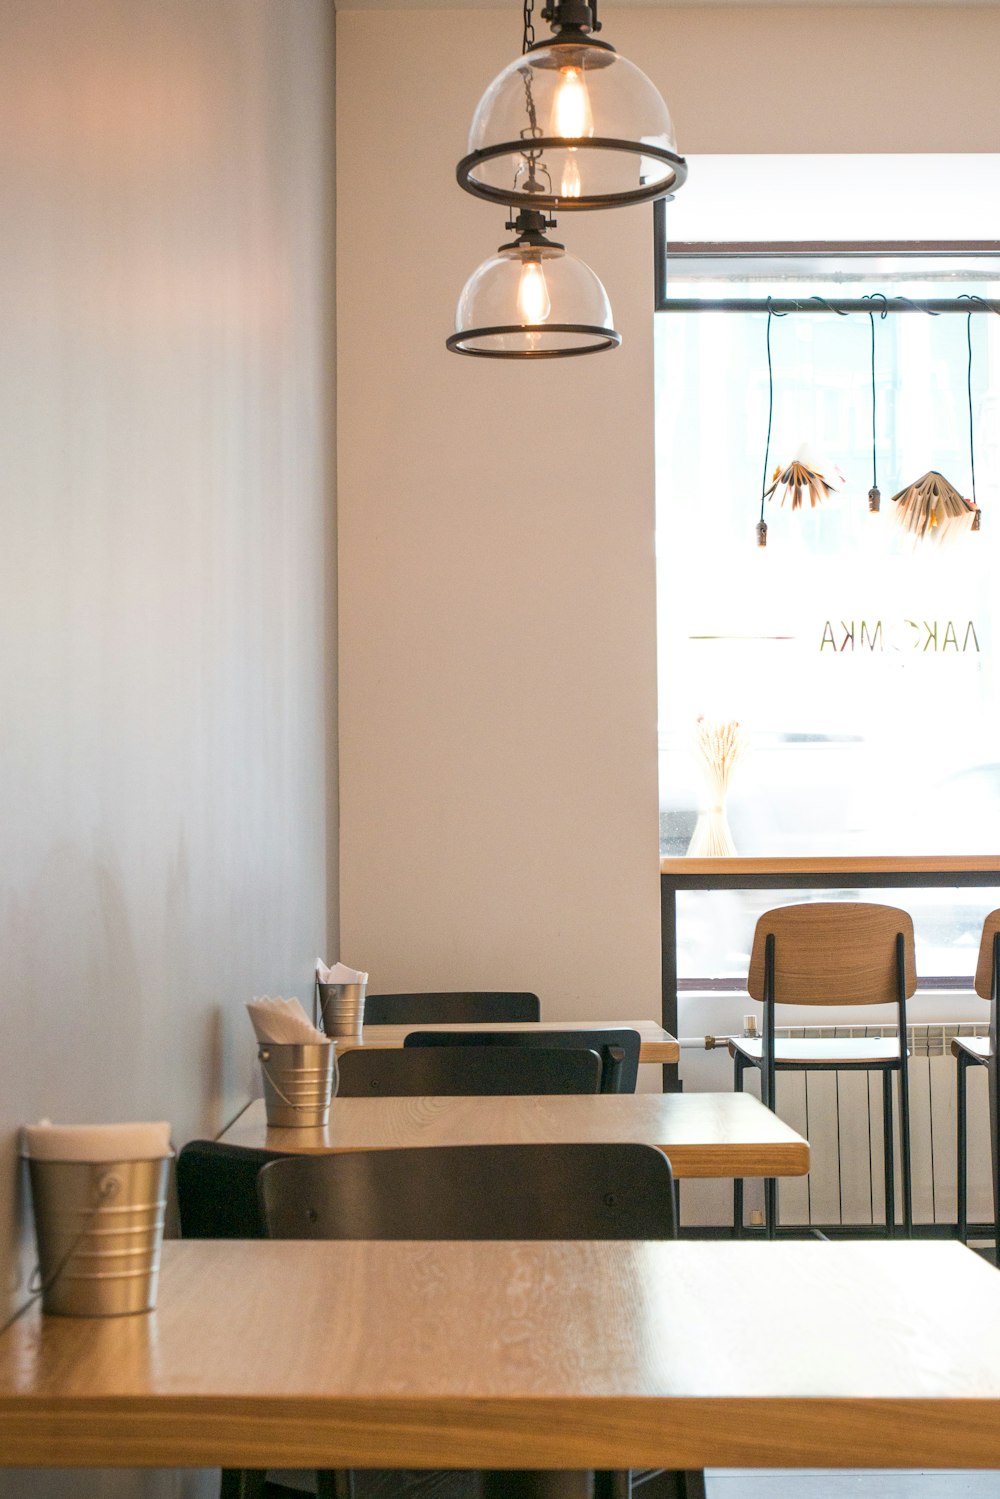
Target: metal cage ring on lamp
x,y
532,301
571,125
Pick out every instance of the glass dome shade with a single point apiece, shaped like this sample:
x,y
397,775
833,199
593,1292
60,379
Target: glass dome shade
x,y
533,302
571,125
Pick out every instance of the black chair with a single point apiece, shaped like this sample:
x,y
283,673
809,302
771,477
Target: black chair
x,y
981,1051
217,1199
425,1071
618,1049
475,1007
217,1190
482,1192
472,1192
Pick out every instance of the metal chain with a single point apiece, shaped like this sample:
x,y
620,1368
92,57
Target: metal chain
x,y
530,157
527,41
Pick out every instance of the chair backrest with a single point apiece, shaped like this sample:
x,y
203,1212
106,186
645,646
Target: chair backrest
x,y
472,1192
419,1071
471,1008
833,952
618,1049
217,1190
984,968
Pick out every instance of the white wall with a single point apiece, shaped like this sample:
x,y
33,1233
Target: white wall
x,y
167,750
497,615
497,673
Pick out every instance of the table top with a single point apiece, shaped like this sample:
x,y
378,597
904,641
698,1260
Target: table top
x,y
608,1354
874,864
657,1044
704,1134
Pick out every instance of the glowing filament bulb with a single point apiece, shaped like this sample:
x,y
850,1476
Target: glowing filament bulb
x,y
572,116
533,302
571,185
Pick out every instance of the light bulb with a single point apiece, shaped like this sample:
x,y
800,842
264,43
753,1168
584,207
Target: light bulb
x,y
533,302
571,186
572,116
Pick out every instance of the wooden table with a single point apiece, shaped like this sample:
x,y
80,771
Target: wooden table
x,y
299,1355
657,1045
859,872
704,1134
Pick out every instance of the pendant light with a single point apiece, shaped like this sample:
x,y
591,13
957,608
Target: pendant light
x,y
570,124
532,301
762,523
932,509
875,494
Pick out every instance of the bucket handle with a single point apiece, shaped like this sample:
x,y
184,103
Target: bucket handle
x,y
263,1058
107,1190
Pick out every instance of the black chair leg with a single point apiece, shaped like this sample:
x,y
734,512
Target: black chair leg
x,y
992,1066
242,1483
904,1144
771,1183
666,1484
887,1154
538,1483
335,1483
962,1134
739,1067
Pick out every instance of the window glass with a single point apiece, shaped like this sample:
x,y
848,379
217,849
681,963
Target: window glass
x,y
860,666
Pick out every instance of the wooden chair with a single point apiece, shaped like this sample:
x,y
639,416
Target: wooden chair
x,y
832,953
618,1049
466,1071
980,1051
474,1007
482,1192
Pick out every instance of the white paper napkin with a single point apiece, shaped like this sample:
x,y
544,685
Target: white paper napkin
x,y
339,974
282,1022
95,1142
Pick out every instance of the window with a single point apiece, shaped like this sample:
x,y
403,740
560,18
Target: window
x,y
861,667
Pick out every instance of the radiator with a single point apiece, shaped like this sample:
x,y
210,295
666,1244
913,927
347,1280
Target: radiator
x,y
840,1113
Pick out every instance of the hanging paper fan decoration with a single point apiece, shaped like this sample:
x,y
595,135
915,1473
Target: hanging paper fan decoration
x,y
932,509
799,479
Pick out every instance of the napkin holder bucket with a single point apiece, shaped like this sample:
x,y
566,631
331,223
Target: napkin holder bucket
x,y
298,1083
343,1009
99,1226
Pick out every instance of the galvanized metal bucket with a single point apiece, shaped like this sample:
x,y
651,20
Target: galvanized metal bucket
x,y
343,1009
298,1083
99,1227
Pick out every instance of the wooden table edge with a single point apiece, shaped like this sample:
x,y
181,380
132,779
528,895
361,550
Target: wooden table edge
x,y
694,1162
723,1162
581,1432
667,1050
672,864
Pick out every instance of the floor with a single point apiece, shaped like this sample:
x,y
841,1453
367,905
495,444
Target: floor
x,y
811,1483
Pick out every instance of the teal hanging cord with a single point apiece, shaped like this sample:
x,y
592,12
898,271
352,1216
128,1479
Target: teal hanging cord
x,y
871,319
770,408
972,443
